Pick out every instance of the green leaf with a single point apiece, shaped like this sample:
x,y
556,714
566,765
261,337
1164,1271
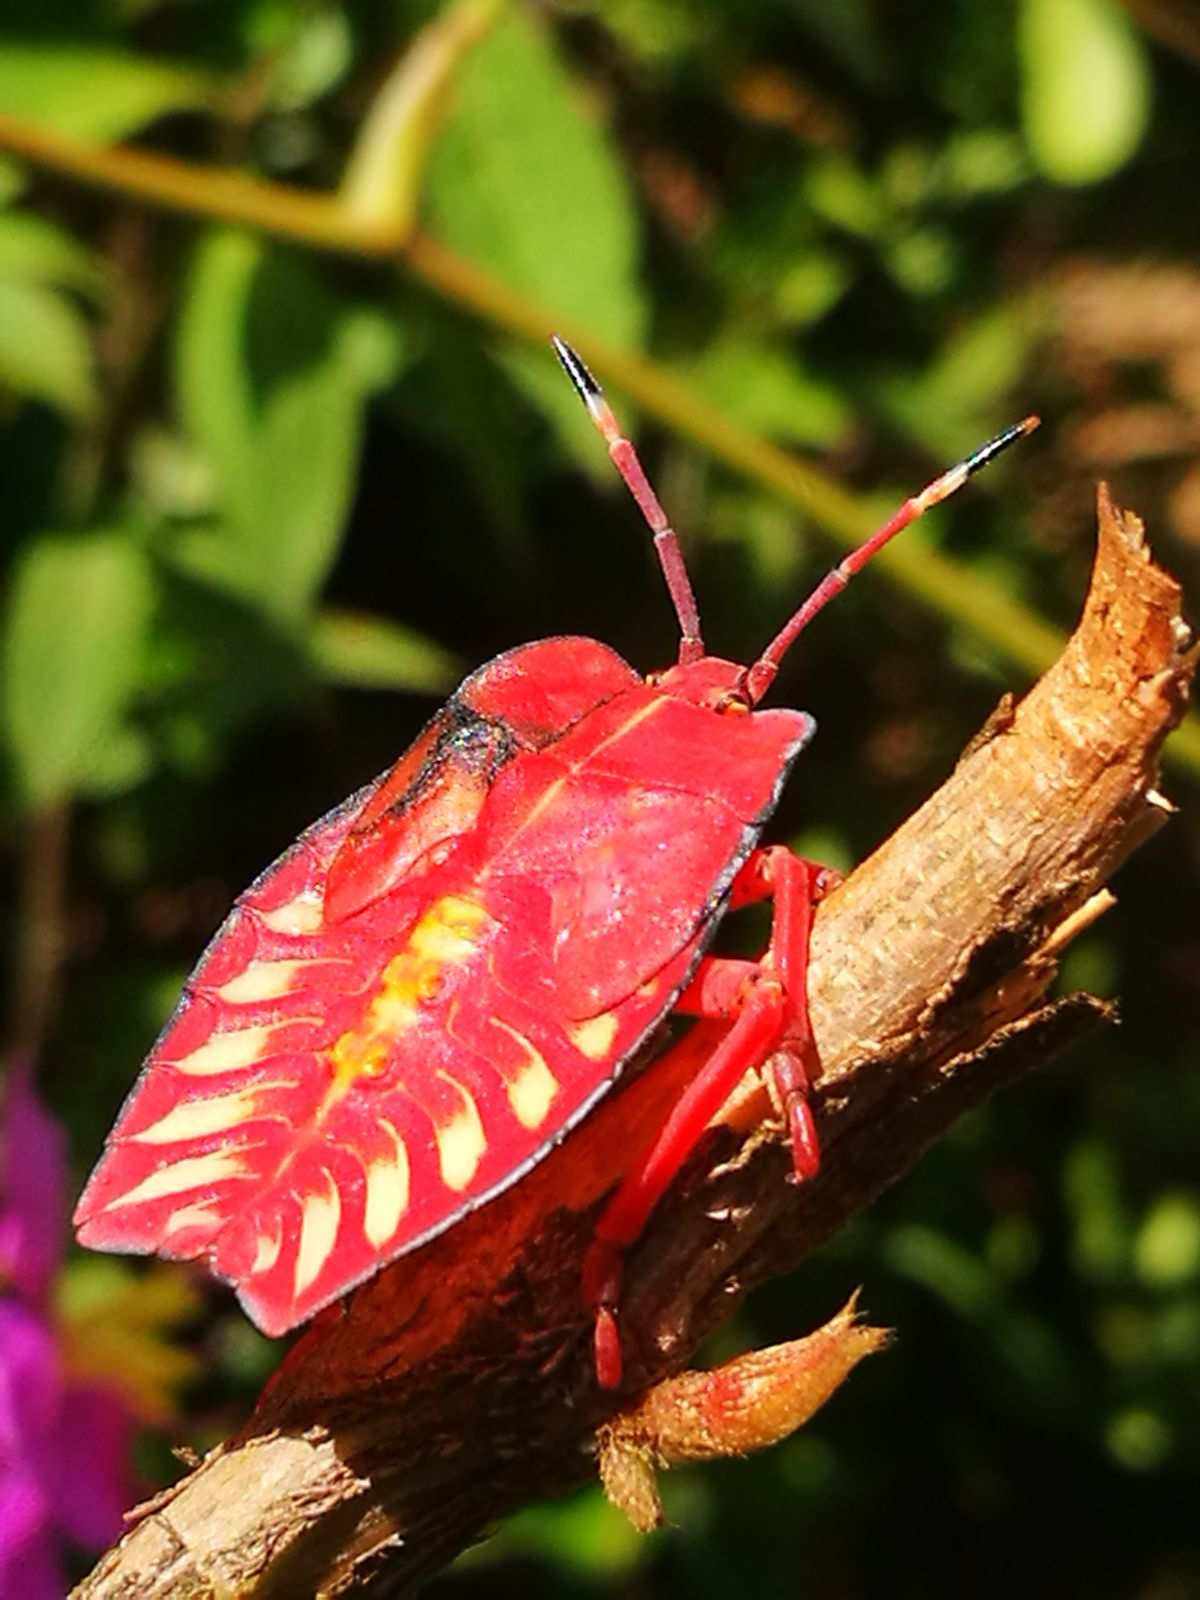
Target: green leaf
x,y
93,91
273,374
982,161
14,180
850,31
123,761
523,179
45,347
313,60
809,286
36,251
541,381
765,389
953,402
943,1266
841,193
584,1537
1102,1227
1166,1251
1086,87
72,649
385,172
216,664
370,652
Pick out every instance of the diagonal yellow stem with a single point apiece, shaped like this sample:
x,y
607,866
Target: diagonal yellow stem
x,y
322,222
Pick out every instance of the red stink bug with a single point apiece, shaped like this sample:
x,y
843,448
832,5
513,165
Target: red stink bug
x,y
418,1000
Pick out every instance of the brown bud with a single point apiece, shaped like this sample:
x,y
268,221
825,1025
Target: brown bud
x,y
751,1402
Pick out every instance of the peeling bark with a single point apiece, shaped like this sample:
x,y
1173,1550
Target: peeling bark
x,y
457,1384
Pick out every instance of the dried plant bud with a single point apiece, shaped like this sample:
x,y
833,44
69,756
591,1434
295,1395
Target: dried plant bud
x,y
751,1402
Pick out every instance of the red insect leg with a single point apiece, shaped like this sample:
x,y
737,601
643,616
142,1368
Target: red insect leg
x,y
797,886
748,1042
769,1003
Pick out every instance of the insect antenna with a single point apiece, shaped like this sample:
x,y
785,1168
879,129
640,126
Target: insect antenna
x,y
759,677
624,458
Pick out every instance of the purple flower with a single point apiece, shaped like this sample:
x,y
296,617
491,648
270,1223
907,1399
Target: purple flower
x,y
64,1445
33,1183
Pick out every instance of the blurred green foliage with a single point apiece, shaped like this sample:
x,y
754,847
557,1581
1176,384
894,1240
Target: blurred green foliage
x,y
262,504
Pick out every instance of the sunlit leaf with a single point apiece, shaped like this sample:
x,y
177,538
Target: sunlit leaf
x,y
810,285
839,191
1086,87
14,180
125,759
942,1265
658,31
523,178
951,404
370,652
218,660
93,91
37,251
1167,1247
982,161
273,373
72,651
384,175
1101,1223
923,260
463,398
584,1536
45,347
768,390
1138,1439
313,59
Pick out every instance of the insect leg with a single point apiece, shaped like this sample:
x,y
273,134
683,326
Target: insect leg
x,y
750,1040
796,886
768,1002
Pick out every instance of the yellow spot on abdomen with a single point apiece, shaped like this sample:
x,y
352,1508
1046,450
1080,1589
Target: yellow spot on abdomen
x,y
320,1219
531,1092
266,1252
195,1118
445,936
532,1087
594,1037
387,1190
449,930
262,980
227,1052
461,1141
195,1216
304,914
194,1172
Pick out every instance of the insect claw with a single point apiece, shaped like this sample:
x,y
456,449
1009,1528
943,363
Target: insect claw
x,y
607,1348
806,1148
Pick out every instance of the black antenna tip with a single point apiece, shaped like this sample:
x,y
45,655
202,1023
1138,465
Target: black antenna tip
x,y
990,450
575,369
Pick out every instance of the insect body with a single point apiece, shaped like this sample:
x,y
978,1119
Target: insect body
x,y
419,998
